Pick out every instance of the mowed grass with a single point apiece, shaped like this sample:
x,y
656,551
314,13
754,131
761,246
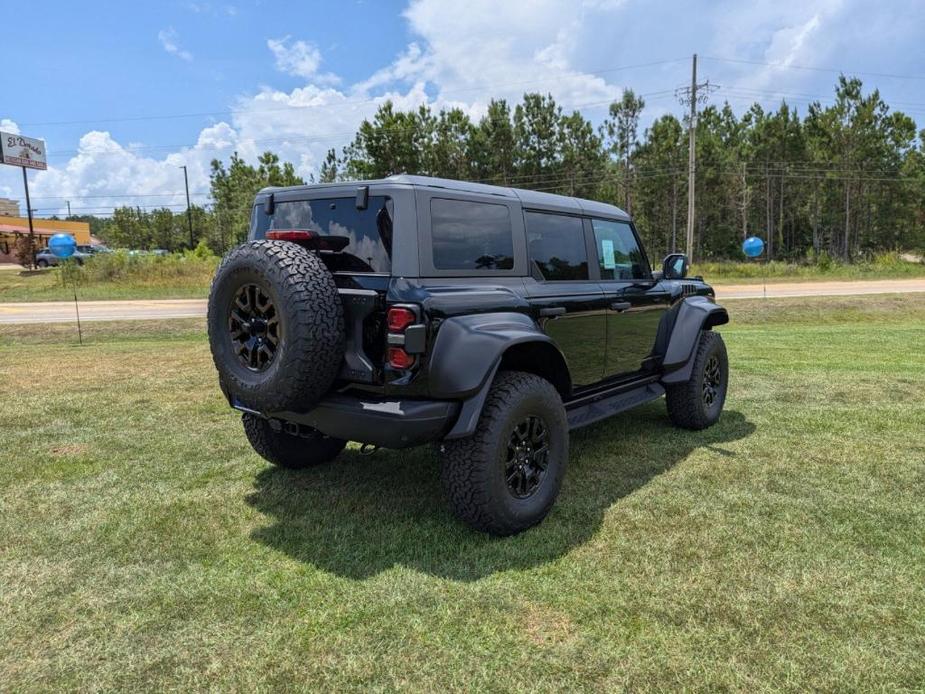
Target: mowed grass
x,y
144,546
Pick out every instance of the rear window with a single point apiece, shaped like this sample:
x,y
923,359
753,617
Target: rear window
x,y
471,235
368,232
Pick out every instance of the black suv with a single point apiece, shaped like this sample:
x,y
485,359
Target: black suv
x,y
487,320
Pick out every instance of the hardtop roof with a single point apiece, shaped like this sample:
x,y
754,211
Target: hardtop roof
x,y
530,199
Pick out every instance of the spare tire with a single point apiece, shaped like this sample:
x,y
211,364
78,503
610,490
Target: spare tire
x,y
276,326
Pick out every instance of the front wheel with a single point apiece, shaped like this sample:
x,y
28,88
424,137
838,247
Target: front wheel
x,y
41,263
294,446
698,403
506,476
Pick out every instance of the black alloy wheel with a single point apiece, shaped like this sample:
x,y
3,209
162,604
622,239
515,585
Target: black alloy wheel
x,y
527,457
505,477
712,380
254,327
698,402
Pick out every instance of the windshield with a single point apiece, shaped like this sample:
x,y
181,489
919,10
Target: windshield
x,y
368,233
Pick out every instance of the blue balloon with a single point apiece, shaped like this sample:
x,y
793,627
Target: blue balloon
x,y
62,245
753,246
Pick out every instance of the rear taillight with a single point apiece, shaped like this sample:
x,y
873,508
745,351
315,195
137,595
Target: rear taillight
x,y
405,336
399,318
399,358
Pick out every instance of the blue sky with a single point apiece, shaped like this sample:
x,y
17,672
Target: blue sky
x,y
124,93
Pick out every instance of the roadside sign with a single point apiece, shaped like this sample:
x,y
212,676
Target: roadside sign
x,y
19,150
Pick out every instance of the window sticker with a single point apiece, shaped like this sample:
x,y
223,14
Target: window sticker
x,y
610,262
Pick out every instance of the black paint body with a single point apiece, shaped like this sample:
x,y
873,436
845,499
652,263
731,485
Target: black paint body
x,y
603,343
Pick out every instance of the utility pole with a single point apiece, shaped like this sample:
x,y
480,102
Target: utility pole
x,y
68,208
689,95
692,162
189,212
25,182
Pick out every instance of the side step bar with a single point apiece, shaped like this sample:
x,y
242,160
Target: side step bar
x,y
591,412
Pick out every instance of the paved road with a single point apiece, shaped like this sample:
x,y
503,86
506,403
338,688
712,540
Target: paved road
x,y
787,289
58,311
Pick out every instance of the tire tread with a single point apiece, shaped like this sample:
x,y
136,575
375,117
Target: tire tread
x,y
684,400
466,470
314,325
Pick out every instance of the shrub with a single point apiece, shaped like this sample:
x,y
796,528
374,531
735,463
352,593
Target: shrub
x,y
121,267
202,251
22,250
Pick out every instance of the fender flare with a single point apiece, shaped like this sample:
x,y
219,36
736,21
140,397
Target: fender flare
x,y
468,350
695,314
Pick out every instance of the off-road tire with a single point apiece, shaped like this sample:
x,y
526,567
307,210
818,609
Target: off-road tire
x,y
686,406
295,451
310,332
473,469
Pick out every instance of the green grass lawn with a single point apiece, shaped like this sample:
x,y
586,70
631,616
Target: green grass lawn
x,y
45,285
144,546
886,267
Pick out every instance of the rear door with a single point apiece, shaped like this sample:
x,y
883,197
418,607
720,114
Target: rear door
x,y
571,306
635,303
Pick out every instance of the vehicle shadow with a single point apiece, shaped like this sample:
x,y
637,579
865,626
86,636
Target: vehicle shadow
x,y
363,514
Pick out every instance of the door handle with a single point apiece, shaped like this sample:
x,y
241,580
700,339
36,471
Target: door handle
x,y
621,305
552,311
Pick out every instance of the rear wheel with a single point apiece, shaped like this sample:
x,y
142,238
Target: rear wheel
x,y
506,476
291,446
276,326
699,402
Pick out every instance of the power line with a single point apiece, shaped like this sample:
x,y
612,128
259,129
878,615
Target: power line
x,y
788,66
118,195
350,102
333,137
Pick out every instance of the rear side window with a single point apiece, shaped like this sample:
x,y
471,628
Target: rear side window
x,y
367,233
618,253
556,245
471,235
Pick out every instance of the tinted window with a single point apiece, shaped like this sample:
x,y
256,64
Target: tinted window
x,y
471,235
557,246
368,233
618,253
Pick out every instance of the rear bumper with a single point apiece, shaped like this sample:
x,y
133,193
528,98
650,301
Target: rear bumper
x,y
390,423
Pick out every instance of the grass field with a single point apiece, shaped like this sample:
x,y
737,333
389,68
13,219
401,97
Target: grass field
x,y
144,546
886,266
192,282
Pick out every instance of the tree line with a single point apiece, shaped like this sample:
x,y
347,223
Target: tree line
x,y
844,180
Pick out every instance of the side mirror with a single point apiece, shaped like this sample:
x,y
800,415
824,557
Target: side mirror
x,y
675,266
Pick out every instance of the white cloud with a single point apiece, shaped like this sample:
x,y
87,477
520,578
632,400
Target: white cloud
x,y
9,126
299,59
170,41
211,9
503,49
500,49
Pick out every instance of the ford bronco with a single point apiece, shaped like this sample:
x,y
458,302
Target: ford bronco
x,y
488,321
